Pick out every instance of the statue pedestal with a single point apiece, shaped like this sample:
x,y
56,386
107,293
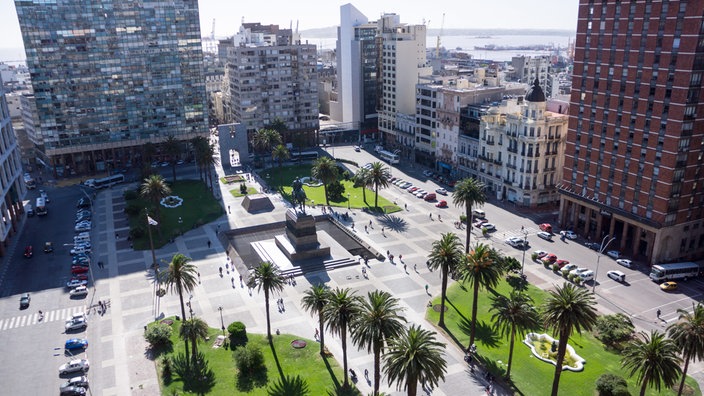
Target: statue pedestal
x,y
301,239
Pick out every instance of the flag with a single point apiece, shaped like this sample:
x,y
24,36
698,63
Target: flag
x,y
151,221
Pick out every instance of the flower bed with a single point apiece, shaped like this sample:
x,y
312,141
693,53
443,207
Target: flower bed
x,y
541,346
172,201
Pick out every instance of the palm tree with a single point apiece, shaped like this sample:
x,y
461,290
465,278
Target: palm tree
x,y
445,255
279,126
181,277
567,308
512,314
653,359
194,329
280,154
480,269
199,144
154,189
288,386
414,357
341,309
313,301
210,160
172,147
325,170
688,334
379,176
267,277
378,321
264,139
469,192
362,179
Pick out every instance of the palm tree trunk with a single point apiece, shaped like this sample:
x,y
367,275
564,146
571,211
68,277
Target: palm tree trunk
x,y
474,314
321,331
364,194
325,191
173,169
413,387
510,350
343,338
376,197
194,349
468,212
644,386
183,318
561,349
684,375
268,323
377,371
443,291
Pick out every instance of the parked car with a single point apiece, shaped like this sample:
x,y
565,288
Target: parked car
x,y
82,227
624,262
618,276
76,343
441,204
568,234
72,391
357,149
514,241
479,223
75,324
430,197
427,173
74,283
546,227
28,252
83,203
73,366
593,246
545,235
441,191
614,254
30,211
488,227
24,300
79,277
578,271
668,286
413,189
561,263
549,258
478,213
587,275
421,194
81,381
567,268
540,253
406,185
78,269
80,291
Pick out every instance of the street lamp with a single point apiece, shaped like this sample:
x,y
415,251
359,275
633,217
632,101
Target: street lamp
x,y
525,247
348,201
222,322
598,258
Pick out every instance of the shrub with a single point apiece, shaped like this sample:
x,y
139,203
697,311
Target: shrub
x,y
534,256
130,195
238,333
243,188
132,209
463,219
166,371
555,267
158,335
611,385
615,329
137,232
336,190
251,370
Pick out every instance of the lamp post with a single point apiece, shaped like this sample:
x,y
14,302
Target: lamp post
x,y
604,245
222,322
348,201
525,247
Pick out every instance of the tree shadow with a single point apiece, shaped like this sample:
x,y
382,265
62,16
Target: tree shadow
x,y
517,283
449,302
335,381
394,223
276,358
286,386
196,375
483,332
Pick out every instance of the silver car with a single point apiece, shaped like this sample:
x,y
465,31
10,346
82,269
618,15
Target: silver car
x,y
74,366
76,324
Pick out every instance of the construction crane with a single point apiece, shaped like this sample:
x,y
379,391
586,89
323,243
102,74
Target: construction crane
x,y
212,32
437,46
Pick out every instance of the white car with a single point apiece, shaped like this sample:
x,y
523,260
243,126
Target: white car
x,y
545,235
76,324
44,195
567,268
73,366
625,262
540,253
420,193
578,271
82,227
81,381
488,227
441,191
80,291
78,316
406,185
618,276
568,234
515,241
74,283
587,275
427,173
614,254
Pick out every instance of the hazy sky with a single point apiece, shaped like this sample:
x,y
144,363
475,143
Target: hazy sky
x,y
542,14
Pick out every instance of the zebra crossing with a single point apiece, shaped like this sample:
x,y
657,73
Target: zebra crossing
x,y
33,318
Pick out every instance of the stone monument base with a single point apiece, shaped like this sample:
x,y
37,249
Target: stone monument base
x,y
285,245
257,203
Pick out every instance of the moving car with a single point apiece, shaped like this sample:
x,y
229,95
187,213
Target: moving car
x,y
357,149
80,291
625,262
545,235
76,324
568,234
28,253
76,343
44,195
546,227
48,247
488,227
618,276
515,241
441,204
669,286
73,366
540,253
74,283
24,300
441,191
614,254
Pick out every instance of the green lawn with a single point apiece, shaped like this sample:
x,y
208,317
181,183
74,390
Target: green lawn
x,y
236,192
198,208
320,374
282,178
530,375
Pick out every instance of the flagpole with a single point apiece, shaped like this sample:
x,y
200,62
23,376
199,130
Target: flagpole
x,y
157,299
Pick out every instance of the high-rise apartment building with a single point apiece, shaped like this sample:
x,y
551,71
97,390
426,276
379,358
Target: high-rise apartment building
x,y
272,75
635,148
12,188
111,76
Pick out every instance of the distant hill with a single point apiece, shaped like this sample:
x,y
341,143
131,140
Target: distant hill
x,y
331,31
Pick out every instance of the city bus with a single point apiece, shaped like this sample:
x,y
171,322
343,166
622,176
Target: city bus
x,y
41,207
106,181
389,156
29,181
674,271
304,156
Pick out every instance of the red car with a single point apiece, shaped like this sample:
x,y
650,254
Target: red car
x,y
79,277
430,197
77,269
28,251
546,227
550,258
561,263
441,204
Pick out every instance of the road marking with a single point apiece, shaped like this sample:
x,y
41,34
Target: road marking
x,y
33,319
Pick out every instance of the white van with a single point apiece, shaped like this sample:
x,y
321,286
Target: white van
x,y
478,213
30,210
587,276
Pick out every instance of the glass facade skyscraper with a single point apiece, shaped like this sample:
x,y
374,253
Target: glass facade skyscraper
x,y
111,76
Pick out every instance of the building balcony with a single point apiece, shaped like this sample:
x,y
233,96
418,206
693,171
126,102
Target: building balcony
x,y
489,142
508,182
511,166
497,162
512,150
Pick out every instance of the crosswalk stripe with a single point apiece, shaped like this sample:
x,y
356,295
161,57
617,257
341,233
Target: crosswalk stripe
x,y
21,321
32,319
12,322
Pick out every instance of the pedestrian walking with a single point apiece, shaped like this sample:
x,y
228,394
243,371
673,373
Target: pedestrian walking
x,y
404,266
430,215
415,267
228,209
382,231
400,257
405,206
366,374
370,224
317,334
659,312
198,277
365,229
208,243
426,289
